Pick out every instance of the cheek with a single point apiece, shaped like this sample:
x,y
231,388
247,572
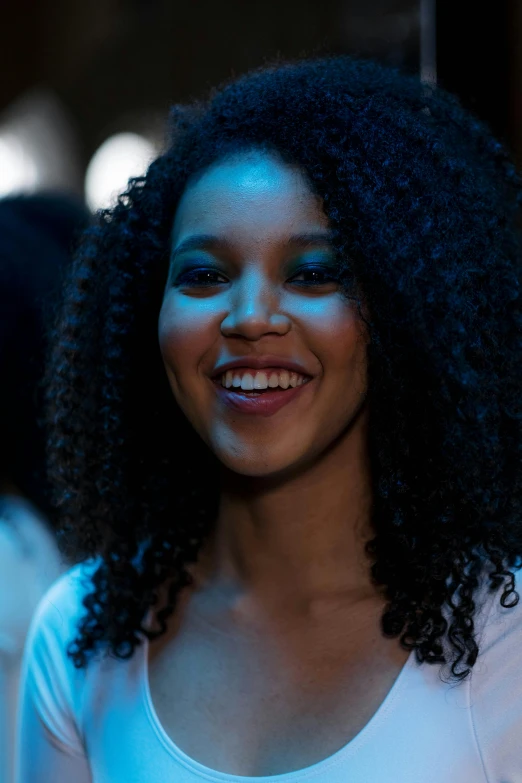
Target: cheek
x,y
184,336
335,335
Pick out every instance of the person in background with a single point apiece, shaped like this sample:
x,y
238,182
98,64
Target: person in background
x,y
36,234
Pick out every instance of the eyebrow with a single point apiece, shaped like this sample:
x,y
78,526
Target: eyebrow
x,y
210,241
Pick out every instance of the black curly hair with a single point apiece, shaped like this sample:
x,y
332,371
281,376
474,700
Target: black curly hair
x,y
424,208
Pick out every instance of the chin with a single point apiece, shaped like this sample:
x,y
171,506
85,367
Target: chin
x,y
259,463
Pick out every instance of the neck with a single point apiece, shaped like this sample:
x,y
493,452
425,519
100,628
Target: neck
x,y
298,541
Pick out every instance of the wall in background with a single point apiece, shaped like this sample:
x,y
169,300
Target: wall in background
x,y
117,65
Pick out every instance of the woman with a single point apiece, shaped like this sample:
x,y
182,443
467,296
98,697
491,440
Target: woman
x,y
274,576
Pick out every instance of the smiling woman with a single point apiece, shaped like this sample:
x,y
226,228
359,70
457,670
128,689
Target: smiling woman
x,y
286,442
263,230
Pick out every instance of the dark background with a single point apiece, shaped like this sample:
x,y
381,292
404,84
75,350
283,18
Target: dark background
x,y
117,65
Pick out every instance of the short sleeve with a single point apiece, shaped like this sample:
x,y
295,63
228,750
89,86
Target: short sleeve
x,y
49,745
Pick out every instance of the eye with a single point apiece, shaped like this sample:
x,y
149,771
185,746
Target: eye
x,y
198,277
323,275
206,277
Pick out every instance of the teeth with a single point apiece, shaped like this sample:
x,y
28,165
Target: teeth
x,y
284,379
248,381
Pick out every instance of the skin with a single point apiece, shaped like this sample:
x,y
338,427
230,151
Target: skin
x,y
278,639
295,487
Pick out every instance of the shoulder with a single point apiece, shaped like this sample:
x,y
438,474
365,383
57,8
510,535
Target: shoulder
x,y
501,627
496,686
52,688
61,606
54,625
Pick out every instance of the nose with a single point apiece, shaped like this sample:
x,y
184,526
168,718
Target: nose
x,y
254,308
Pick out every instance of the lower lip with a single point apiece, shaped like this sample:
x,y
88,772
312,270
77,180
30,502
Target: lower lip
x,y
265,404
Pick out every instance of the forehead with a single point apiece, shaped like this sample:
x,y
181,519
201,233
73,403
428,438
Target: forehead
x,y
253,192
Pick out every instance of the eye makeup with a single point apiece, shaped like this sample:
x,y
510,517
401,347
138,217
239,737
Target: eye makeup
x,y
194,274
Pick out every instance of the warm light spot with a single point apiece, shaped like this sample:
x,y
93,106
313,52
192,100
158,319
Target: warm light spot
x,y
120,157
18,170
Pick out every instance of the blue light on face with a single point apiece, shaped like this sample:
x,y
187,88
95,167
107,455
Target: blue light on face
x,y
192,271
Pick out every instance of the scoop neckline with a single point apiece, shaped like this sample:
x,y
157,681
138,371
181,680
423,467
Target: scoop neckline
x,y
207,773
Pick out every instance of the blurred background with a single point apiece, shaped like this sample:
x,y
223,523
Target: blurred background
x,y
85,87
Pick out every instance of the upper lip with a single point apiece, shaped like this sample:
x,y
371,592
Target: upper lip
x,y
259,363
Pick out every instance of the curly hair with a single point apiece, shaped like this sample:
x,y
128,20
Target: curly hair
x,y
423,205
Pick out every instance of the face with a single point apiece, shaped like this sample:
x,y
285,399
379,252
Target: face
x,y
252,273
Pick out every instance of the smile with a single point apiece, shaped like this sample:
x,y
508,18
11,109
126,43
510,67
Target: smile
x,y
260,402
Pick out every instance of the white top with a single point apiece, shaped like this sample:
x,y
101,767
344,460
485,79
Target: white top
x,y
98,725
29,563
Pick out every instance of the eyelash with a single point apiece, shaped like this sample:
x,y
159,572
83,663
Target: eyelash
x,y
190,276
